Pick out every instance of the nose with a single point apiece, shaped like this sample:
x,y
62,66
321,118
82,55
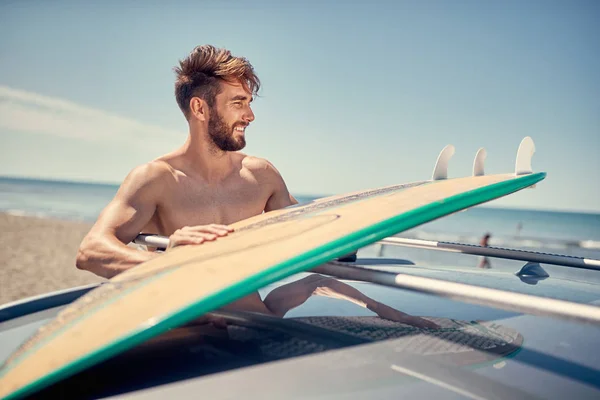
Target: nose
x,y
249,115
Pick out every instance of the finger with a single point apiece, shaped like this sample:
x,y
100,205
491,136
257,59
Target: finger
x,y
217,231
220,230
210,227
189,235
203,235
207,229
224,227
191,240
184,241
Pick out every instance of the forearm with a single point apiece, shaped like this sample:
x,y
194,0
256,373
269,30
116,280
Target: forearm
x,y
108,257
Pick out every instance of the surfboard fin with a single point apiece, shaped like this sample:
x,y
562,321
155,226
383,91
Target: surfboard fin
x,y
478,164
524,155
441,166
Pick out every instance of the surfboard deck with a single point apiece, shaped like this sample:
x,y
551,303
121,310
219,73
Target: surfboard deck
x,y
189,281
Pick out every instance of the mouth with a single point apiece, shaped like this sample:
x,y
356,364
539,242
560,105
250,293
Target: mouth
x,y
240,129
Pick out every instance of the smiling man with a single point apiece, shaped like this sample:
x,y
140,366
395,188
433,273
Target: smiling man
x,y
195,192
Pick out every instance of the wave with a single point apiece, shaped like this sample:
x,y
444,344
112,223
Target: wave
x,y
590,244
44,214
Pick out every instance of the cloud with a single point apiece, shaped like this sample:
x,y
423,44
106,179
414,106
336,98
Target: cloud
x,y
24,111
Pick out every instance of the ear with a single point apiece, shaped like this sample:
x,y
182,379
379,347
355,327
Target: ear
x,y
198,109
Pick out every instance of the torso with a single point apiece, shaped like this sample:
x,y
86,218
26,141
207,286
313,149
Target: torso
x,y
191,201
186,200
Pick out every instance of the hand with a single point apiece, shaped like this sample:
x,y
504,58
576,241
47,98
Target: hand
x,y
392,314
197,234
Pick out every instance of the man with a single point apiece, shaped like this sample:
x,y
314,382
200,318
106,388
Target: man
x,y
195,192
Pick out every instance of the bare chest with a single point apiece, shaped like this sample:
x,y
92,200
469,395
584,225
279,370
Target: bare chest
x,y
190,204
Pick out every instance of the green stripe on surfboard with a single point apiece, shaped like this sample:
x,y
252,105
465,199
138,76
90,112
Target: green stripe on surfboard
x,y
302,262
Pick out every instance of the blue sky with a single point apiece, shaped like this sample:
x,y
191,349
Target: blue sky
x,y
355,94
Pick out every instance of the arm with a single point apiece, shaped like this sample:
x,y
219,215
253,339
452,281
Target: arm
x,y
104,249
291,295
280,196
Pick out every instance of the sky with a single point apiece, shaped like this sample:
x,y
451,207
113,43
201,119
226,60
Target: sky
x,y
355,94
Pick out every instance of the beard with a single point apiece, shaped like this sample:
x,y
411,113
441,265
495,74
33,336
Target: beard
x,y
222,135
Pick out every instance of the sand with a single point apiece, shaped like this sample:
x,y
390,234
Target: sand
x,y
37,255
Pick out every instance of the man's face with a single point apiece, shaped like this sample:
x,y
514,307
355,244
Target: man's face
x,y
230,116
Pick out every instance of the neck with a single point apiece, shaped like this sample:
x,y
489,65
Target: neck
x,y
204,158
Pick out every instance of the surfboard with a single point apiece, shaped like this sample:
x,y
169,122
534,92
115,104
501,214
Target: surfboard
x,y
187,282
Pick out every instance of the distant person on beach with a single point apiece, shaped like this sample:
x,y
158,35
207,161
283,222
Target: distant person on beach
x,y
194,193
519,228
485,239
484,262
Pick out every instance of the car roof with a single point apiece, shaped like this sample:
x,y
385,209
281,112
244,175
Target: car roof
x,y
327,361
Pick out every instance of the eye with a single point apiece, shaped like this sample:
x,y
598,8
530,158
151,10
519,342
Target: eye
x,y
237,104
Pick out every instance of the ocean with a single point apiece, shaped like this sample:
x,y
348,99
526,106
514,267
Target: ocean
x,y
576,234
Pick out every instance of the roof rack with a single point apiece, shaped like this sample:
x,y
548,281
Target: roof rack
x,y
497,252
504,299
459,291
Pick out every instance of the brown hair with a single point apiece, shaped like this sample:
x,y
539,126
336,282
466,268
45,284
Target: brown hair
x,y
199,75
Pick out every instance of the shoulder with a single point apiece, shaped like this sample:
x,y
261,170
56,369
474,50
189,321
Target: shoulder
x,y
259,165
147,177
156,170
269,177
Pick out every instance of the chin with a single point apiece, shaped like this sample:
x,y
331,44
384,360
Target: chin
x,y
240,143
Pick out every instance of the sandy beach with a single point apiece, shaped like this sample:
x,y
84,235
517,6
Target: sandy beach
x,y
37,255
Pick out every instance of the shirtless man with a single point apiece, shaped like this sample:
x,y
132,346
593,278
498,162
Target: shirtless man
x,y
193,193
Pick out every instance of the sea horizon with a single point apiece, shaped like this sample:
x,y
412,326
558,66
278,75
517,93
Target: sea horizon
x,y
299,196
573,233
